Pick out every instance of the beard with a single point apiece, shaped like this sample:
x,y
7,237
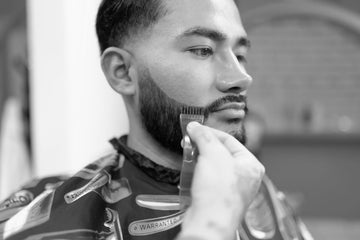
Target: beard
x,y
161,114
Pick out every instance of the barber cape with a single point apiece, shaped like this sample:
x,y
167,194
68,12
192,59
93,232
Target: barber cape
x,y
124,195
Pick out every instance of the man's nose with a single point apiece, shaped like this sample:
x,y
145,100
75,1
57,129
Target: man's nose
x,y
232,77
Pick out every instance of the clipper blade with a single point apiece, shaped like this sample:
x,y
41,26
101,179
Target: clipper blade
x,y
190,114
190,153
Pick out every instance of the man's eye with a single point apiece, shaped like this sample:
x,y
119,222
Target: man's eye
x,y
201,52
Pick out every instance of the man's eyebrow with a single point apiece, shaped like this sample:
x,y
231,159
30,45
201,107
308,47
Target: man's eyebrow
x,y
204,32
213,35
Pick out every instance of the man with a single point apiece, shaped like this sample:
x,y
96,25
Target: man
x,y
161,56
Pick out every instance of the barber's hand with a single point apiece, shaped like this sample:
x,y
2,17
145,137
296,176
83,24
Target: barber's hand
x,y
226,180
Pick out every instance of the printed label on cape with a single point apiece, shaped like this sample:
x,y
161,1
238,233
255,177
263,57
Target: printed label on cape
x,y
34,214
14,204
155,225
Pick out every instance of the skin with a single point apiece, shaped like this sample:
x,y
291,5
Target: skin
x,y
191,67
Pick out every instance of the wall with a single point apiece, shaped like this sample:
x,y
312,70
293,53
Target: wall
x,y
323,172
74,110
11,15
322,165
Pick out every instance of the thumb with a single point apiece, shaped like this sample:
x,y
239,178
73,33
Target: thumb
x,y
206,140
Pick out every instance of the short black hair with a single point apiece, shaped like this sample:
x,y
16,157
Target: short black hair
x,y
117,20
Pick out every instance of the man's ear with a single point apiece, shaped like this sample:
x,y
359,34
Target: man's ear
x,y
115,63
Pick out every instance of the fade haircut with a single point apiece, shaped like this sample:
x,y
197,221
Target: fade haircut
x,y
118,20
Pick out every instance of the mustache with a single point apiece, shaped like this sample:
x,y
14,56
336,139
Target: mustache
x,y
212,107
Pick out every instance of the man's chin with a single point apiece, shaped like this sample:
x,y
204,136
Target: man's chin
x,y
233,127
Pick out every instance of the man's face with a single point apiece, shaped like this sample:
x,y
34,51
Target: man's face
x,y
194,56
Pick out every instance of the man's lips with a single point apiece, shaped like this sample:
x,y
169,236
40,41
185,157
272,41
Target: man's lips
x,y
232,110
231,105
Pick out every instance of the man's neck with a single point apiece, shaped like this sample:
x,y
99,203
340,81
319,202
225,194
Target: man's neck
x,y
140,140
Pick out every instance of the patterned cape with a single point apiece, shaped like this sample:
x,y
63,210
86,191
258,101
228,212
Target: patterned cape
x,y
125,195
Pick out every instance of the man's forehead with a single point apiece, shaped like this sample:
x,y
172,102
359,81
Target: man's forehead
x,y
219,16
199,8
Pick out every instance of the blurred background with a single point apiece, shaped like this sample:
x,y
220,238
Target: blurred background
x,y
57,112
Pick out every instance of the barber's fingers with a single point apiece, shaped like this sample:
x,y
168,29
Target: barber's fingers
x,y
213,143
242,172
207,140
202,135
